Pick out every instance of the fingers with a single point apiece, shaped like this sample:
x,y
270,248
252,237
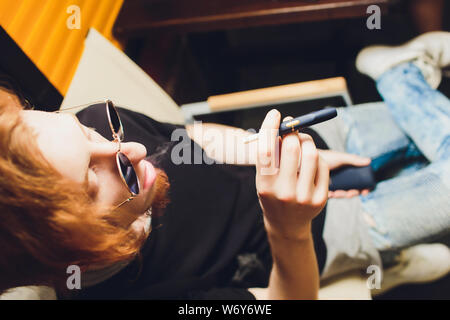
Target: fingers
x,y
267,156
347,193
291,197
287,177
365,192
322,182
352,193
353,159
307,184
308,167
267,138
289,159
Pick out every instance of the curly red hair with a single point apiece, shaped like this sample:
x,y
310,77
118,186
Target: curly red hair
x,y
48,222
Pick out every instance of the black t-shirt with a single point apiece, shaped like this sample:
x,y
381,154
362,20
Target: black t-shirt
x,y
212,243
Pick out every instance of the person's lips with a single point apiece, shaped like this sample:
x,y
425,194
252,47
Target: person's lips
x,y
149,176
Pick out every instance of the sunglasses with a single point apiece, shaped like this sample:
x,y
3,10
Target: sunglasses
x,y
125,168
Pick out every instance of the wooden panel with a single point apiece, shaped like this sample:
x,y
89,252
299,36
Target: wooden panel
x,y
289,92
140,16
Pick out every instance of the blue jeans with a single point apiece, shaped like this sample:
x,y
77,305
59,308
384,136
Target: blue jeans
x,y
410,130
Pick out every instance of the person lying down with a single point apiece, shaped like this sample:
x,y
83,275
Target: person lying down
x,y
110,192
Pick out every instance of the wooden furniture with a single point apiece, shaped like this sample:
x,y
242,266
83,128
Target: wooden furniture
x,y
285,93
141,17
277,95
168,38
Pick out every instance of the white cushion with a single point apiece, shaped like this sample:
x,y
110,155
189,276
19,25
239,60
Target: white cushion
x,y
104,72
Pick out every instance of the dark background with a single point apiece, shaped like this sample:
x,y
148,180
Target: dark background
x,y
193,66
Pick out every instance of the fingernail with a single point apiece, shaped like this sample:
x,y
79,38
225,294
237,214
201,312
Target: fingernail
x,y
274,113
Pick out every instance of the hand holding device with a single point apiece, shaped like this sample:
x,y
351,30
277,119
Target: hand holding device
x,y
289,200
301,122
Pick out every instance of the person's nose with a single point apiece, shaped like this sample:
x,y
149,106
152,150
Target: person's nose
x,y
133,150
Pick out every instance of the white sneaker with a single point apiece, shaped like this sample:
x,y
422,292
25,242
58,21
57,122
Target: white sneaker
x,y
430,52
436,44
418,264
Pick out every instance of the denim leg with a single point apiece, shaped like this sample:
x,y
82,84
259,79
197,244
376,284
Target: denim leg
x,y
372,132
421,112
413,207
409,209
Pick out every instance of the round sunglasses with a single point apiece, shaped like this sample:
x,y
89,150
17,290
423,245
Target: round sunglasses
x,y
125,168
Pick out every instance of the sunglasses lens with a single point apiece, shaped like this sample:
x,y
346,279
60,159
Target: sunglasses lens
x,y
128,173
115,120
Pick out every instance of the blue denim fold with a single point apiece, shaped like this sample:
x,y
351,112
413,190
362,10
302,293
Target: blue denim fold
x,y
411,129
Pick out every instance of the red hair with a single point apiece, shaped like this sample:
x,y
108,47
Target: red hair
x,y
48,222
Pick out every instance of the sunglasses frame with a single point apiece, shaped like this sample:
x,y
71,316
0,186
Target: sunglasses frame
x,y
118,137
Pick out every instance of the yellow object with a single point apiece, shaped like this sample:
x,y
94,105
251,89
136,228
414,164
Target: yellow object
x,y
52,32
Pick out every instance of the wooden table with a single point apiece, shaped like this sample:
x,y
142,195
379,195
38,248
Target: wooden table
x,y
159,28
139,17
